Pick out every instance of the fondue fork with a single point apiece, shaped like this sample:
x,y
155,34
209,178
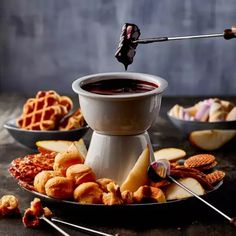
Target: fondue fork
x,y
227,34
129,40
161,169
85,229
54,225
162,39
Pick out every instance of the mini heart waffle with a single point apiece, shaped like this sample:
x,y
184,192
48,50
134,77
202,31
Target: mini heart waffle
x,y
74,121
199,160
215,177
26,168
44,111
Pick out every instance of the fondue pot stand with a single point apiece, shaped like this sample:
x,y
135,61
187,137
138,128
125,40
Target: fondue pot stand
x,y
120,122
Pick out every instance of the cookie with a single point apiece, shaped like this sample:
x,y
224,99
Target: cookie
x,y
199,160
184,172
209,166
215,177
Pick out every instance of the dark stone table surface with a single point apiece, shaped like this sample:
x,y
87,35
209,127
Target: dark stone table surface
x,y
189,217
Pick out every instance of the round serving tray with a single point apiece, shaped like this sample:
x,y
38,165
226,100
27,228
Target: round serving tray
x,y
134,205
130,214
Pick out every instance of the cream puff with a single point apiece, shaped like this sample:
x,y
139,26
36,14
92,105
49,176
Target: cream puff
x,y
80,173
103,182
41,179
65,160
59,187
88,193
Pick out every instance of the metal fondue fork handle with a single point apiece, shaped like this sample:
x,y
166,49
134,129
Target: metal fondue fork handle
x,y
54,225
85,229
201,199
227,34
151,171
162,39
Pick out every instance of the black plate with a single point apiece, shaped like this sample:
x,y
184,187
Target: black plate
x,y
77,205
148,214
29,137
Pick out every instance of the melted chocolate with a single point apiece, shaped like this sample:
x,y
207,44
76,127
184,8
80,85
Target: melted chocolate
x,y
126,49
119,86
229,33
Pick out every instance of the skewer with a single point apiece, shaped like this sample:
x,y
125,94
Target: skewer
x,y
129,40
54,226
85,229
162,170
162,39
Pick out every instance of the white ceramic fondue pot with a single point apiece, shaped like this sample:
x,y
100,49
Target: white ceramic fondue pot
x,y
120,122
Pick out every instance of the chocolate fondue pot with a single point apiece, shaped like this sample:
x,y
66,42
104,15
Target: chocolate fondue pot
x,y
120,108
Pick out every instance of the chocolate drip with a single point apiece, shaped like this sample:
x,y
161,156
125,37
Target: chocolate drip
x,y
126,49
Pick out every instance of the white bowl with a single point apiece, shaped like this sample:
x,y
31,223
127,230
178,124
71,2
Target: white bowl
x,y
122,114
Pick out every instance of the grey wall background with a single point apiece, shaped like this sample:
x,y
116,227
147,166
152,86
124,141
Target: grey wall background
x,y
46,44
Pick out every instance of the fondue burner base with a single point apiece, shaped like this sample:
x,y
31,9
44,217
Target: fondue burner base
x,y
113,156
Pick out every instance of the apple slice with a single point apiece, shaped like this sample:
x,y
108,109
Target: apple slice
x,y
138,175
170,154
61,146
211,139
174,192
81,147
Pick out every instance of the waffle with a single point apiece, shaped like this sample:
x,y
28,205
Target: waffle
x,y
199,160
26,168
209,166
215,177
44,111
74,121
